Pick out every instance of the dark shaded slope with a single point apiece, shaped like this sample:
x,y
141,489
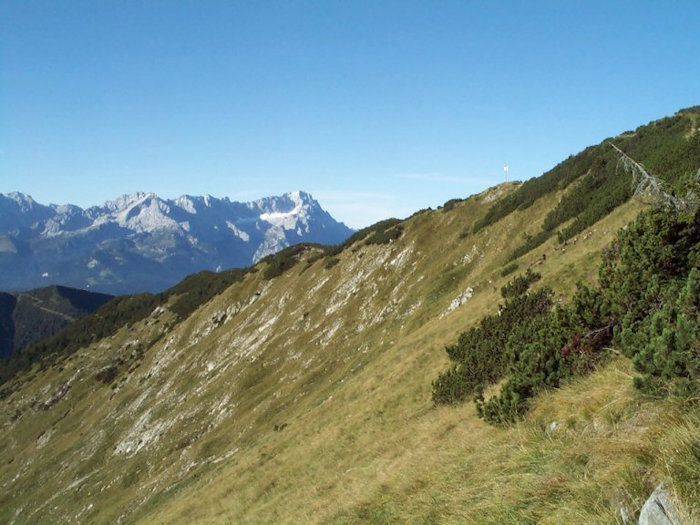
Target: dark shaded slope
x,y
28,317
7,326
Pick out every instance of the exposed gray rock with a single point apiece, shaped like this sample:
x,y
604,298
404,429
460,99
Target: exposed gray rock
x,y
659,509
624,515
553,427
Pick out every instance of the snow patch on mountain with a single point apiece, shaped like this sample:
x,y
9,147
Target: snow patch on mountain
x,y
238,232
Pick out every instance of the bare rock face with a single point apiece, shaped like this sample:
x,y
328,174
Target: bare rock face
x,y
142,243
659,509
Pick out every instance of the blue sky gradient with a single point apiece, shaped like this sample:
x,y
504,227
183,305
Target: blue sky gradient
x,y
377,108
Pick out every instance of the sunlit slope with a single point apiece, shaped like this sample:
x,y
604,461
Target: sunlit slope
x,y
305,397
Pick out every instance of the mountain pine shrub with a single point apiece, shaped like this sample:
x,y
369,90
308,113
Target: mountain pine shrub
x,y
542,353
508,269
601,178
481,355
647,304
520,284
652,282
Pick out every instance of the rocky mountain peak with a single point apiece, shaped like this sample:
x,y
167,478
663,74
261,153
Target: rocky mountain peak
x,y
23,201
128,200
141,242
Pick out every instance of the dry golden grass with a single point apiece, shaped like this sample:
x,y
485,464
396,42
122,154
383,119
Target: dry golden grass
x,y
586,453
312,403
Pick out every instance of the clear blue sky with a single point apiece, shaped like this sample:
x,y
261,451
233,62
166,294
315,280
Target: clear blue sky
x,y
378,108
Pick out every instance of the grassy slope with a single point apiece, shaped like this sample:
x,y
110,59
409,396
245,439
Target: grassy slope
x,y
377,452
342,359
306,398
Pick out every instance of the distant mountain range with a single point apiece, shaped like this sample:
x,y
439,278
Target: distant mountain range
x,y
140,242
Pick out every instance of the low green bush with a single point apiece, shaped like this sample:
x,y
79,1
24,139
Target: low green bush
x,y
647,304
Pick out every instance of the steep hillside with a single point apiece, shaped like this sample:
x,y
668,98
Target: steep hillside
x,y
27,317
669,148
142,243
301,392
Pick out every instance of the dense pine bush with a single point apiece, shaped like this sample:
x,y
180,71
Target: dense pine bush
x,y
647,304
482,355
650,278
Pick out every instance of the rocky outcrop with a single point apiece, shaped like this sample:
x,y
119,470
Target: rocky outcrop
x,y
660,509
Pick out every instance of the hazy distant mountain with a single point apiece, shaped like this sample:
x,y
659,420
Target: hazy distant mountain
x,y
140,242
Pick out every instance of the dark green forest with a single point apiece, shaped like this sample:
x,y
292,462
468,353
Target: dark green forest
x,y
28,317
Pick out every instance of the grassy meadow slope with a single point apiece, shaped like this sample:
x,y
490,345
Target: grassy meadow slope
x,y
307,398
302,397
